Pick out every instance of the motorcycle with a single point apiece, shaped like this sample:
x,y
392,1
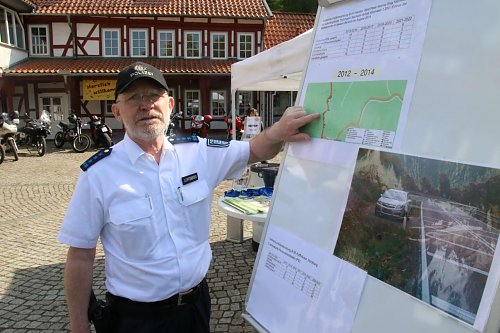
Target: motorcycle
x,y
34,133
240,127
100,132
8,130
200,125
72,132
175,122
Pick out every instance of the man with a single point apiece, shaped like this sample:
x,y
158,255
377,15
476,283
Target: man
x,y
148,199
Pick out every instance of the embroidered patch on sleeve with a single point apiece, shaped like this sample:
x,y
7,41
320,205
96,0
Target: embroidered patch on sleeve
x,y
217,143
183,139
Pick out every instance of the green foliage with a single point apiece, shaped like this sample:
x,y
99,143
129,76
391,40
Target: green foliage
x,y
381,247
294,6
367,186
275,5
444,185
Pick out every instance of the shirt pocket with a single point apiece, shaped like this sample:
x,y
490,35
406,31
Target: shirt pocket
x,y
131,225
196,200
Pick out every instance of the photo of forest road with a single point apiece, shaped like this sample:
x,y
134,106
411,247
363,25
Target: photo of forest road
x,y
424,226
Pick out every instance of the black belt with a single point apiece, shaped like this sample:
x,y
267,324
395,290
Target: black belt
x,y
123,304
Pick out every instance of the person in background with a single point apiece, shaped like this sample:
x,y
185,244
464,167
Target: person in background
x,y
252,112
148,199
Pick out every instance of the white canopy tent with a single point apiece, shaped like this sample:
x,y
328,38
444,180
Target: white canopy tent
x,y
276,69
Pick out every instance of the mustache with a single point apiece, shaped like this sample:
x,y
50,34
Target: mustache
x,y
150,115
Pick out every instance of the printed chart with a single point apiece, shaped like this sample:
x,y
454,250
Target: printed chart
x,y
372,38
293,276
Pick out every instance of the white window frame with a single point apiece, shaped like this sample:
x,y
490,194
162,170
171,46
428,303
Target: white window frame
x,y
60,113
118,39
107,107
5,31
240,49
222,101
17,29
212,42
242,107
188,110
47,46
132,41
186,44
159,41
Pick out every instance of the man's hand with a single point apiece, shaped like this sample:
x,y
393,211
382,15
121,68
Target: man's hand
x,y
287,128
268,143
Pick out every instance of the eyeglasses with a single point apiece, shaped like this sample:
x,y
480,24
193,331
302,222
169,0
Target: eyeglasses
x,y
151,96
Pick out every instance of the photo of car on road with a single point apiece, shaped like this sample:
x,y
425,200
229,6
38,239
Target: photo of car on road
x,y
427,227
393,203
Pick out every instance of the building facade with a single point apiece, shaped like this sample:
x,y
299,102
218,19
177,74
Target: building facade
x,y
66,55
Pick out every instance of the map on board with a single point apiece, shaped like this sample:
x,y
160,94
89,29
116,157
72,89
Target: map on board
x,y
365,112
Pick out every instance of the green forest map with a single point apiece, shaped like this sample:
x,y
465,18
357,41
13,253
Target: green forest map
x,y
344,105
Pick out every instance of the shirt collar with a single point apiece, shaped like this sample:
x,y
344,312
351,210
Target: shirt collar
x,y
134,152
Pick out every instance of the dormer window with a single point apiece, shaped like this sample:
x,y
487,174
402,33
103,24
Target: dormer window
x,y
218,45
39,37
111,42
138,42
166,43
192,44
245,45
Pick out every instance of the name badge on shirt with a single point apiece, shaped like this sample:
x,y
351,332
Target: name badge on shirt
x,y
190,178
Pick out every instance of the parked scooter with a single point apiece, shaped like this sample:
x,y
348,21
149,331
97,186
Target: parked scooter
x,y
8,130
240,127
34,133
200,125
72,132
101,133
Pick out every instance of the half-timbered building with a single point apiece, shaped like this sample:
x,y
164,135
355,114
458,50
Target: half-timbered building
x,y
67,53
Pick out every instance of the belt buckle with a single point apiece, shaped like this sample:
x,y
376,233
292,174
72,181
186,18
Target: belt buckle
x,y
181,294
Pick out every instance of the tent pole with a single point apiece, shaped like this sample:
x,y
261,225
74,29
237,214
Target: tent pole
x,y
233,113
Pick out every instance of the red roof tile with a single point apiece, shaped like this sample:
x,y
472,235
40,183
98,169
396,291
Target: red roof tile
x,y
30,3
212,8
284,26
113,66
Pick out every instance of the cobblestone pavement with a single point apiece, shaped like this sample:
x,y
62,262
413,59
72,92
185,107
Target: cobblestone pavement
x,y
34,194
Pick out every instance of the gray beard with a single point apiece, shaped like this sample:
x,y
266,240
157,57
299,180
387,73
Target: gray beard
x,y
146,134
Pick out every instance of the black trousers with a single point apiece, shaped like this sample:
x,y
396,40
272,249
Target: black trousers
x,y
187,318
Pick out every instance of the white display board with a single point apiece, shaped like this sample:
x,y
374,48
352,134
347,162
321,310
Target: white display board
x,y
388,220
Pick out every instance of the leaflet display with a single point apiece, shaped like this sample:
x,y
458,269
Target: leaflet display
x,y
388,219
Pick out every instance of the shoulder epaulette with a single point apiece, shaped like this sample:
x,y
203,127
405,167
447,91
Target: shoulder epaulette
x,y
217,143
95,158
183,139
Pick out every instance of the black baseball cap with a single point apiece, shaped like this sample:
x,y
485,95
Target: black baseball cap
x,y
138,70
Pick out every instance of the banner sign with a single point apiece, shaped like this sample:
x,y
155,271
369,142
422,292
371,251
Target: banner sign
x,y
99,90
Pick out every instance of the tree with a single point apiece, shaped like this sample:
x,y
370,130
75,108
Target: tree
x,y
444,185
294,6
275,5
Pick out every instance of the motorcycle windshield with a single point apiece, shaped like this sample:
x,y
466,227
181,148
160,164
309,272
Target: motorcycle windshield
x,y
6,118
45,117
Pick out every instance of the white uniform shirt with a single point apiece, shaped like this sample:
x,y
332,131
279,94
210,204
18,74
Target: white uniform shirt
x,y
154,229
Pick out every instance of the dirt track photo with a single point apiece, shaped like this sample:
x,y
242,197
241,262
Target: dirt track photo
x,y
424,226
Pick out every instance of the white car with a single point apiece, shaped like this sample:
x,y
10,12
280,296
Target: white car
x,y
393,203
